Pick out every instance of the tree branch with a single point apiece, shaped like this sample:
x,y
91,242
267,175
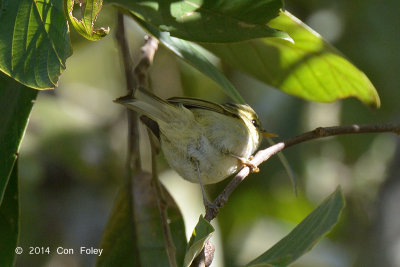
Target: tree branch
x,y
141,73
133,152
134,78
148,51
339,130
133,157
265,154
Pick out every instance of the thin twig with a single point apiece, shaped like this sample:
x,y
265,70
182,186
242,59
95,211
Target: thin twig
x,y
148,51
134,78
126,55
141,74
339,130
265,154
162,204
133,157
205,257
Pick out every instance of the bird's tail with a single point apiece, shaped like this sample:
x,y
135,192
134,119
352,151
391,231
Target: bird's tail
x,y
150,105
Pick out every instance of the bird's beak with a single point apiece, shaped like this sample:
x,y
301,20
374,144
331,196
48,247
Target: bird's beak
x,y
268,134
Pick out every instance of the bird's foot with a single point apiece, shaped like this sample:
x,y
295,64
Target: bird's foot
x,y
209,205
247,163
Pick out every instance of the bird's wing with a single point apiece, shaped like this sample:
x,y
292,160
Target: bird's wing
x,y
150,105
193,103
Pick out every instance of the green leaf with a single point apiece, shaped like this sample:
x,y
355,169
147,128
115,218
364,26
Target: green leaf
x,y
34,41
208,20
118,242
136,238
90,9
309,68
194,56
16,102
177,227
201,234
306,234
9,220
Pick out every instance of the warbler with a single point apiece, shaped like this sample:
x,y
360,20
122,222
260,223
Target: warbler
x,y
202,141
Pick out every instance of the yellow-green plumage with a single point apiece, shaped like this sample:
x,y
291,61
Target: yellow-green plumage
x,y
198,137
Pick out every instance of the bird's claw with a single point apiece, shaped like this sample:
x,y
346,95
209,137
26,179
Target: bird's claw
x,y
247,163
253,168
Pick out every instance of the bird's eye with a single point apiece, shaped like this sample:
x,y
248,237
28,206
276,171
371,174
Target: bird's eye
x,y
255,123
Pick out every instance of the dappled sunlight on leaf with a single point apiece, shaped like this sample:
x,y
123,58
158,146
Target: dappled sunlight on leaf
x,y
35,48
309,68
208,20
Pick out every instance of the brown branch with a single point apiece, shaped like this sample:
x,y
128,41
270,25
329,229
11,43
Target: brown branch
x,y
265,154
125,54
148,51
135,78
339,130
140,73
133,157
205,257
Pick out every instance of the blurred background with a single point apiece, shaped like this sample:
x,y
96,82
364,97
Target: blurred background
x,y
73,153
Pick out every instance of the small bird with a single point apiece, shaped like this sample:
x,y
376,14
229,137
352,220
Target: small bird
x,y
202,141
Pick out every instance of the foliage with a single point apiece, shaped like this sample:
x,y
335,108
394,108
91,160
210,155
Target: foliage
x,y
305,235
9,220
17,101
209,21
309,67
85,26
254,37
34,41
